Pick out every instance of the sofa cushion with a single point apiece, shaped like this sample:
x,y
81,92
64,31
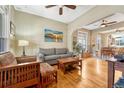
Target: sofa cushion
x,y
46,69
51,57
119,57
65,55
46,52
7,59
61,51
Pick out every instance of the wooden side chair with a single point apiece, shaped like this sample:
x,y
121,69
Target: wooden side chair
x,y
13,75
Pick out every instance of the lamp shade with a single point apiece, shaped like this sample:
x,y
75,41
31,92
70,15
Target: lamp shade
x,y
23,43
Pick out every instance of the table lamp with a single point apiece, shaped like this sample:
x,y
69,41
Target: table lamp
x,y
23,43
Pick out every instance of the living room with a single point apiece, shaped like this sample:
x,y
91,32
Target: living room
x,y
86,36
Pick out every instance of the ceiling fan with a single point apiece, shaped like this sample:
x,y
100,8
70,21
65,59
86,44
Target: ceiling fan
x,y
61,7
105,23
117,30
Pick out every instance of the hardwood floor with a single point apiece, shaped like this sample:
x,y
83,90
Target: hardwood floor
x,y
94,75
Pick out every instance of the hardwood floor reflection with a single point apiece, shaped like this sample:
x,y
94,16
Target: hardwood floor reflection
x,y
94,75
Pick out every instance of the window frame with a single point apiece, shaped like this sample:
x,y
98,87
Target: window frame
x,y
118,42
86,39
4,11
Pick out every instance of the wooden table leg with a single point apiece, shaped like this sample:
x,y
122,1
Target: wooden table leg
x,y
58,65
111,74
81,66
56,76
63,68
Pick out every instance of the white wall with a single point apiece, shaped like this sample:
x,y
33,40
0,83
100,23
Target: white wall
x,y
30,27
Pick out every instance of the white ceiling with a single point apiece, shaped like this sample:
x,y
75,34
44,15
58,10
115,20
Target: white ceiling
x,y
119,17
112,30
53,13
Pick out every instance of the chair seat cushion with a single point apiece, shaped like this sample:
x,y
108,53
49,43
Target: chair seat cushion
x,y
7,59
51,57
120,57
46,69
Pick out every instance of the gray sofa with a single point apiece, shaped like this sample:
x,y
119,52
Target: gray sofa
x,y
52,54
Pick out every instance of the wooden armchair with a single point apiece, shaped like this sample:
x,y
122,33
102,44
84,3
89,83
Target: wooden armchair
x,y
18,75
107,51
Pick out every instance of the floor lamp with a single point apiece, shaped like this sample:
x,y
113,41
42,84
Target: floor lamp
x,y
23,44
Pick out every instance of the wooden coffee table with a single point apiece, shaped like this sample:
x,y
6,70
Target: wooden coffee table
x,y
64,62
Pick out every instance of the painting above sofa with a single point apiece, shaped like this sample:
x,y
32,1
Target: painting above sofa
x,y
53,36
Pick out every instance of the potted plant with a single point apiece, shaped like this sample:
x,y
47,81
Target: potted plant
x,y
79,49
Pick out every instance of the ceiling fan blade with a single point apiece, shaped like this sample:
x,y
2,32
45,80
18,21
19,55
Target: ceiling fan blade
x,y
112,22
70,6
49,6
117,30
106,23
60,11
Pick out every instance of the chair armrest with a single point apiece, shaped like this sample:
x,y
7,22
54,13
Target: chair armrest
x,y
20,75
40,57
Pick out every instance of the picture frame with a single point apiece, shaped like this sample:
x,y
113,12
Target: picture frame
x,y
12,29
51,35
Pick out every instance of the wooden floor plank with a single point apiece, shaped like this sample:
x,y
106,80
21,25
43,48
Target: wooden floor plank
x,y
94,75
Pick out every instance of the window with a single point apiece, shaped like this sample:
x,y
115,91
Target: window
x,y
82,39
119,41
98,42
3,29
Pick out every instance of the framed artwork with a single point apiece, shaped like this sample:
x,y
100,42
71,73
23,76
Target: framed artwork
x,y
12,29
53,35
